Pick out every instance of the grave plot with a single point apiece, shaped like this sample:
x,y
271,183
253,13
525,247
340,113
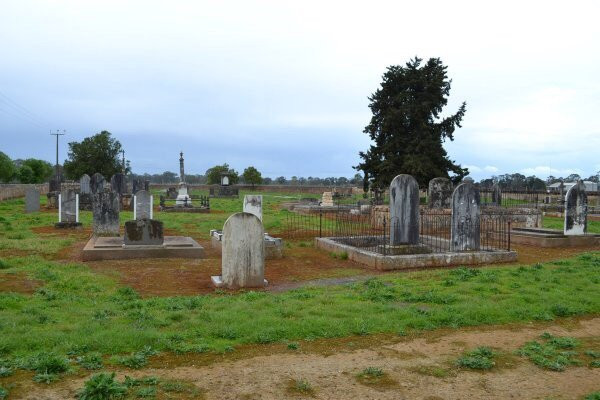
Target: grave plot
x,y
183,201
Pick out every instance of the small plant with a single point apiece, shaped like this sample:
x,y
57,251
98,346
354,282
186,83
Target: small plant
x,y
3,393
146,392
371,373
45,377
339,256
5,371
555,354
293,346
591,396
301,386
102,386
90,361
480,358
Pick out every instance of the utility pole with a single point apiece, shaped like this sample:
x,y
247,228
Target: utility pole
x,y
57,134
123,166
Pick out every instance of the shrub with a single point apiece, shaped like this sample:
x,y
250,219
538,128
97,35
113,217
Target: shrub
x,y
3,393
102,386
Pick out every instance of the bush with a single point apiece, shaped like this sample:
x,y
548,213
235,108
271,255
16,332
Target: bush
x,y
102,386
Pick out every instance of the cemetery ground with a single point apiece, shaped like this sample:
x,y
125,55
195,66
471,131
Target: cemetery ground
x,y
326,327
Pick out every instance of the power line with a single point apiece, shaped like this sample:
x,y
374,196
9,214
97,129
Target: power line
x,y
21,110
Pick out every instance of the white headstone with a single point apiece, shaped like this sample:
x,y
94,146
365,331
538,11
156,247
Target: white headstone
x,y
404,211
142,206
576,210
243,260
253,204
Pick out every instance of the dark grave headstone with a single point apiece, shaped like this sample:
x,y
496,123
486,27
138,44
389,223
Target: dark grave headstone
x,y
32,200
496,195
576,205
144,232
105,212
439,193
118,183
97,183
404,211
465,229
54,185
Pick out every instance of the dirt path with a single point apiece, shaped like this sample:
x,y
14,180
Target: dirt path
x,y
416,368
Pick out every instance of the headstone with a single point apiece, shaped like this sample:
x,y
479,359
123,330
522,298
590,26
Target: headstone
x,y
136,185
404,211
142,205
496,195
84,184
97,183
253,204
69,207
147,185
465,229
105,211
243,260
143,232
32,200
54,185
171,193
439,193
327,199
183,199
118,183
576,210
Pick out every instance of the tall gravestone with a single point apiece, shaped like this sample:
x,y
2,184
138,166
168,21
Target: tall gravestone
x,y
136,185
118,184
496,195
253,205
404,211
465,226
147,185
143,205
32,200
69,209
439,193
105,212
97,183
243,260
576,210
84,184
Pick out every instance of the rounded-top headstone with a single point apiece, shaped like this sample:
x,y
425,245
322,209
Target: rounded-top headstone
x,y
84,184
404,210
576,210
253,204
118,183
439,192
465,229
243,261
68,206
97,182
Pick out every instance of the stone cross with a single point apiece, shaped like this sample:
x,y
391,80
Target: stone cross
x,y
142,205
243,260
465,229
32,200
84,184
253,204
105,212
68,206
439,193
576,210
404,211
118,183
97,183
496,195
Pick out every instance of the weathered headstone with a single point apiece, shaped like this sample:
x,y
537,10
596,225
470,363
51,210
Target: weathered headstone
x,y
54,185
84,184
105,211
143,232
576,210
243,261
439,193
253,205
32,200
97,183
69,207
404,211
142,205
147,185
118,183
327,199
136,185
465,228
496,195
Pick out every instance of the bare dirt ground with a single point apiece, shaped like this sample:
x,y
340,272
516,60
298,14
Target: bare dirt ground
x,y
420,367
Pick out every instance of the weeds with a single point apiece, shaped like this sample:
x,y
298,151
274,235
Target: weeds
x,y
481,358
301,386
90,361
554,354
102,386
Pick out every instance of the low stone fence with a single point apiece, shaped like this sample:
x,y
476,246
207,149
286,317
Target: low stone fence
x,y
16,190
268,188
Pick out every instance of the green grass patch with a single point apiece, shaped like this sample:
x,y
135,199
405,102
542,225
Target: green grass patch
x,y
481,358
551,352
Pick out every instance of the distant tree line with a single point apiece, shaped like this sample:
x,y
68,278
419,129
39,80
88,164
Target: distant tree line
x,y
30,170
521,182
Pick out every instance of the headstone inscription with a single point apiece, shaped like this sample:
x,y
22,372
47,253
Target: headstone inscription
x,y
465,225
576,204
404,211
253,205
143,232
243,260
32,200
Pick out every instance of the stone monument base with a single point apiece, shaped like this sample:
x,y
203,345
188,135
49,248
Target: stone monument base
x,y
217,281
551,238
401,249
113,248
68,225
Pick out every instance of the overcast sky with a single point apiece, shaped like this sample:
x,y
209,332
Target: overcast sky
x,y
283,85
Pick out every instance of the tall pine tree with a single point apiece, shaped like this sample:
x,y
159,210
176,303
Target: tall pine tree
x,y
406,128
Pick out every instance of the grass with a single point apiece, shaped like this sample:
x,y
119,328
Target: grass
x,y
300,386
481,358
551,352
375,376
558,223
104,386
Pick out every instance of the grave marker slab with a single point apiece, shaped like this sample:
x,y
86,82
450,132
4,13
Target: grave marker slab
x,y
439,193
84,184
243,261
253,205
142,206
97,183
576,210
32,200
404,211
118,183
496,195
144,232
105,212
465,229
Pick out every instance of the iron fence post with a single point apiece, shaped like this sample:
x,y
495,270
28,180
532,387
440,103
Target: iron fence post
x,y
320,222
509,222
384,241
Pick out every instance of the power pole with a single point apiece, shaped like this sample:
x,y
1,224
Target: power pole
x,y
57,134
123,166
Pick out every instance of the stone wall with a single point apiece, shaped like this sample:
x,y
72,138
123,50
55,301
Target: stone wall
x,y
269,188
16,190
